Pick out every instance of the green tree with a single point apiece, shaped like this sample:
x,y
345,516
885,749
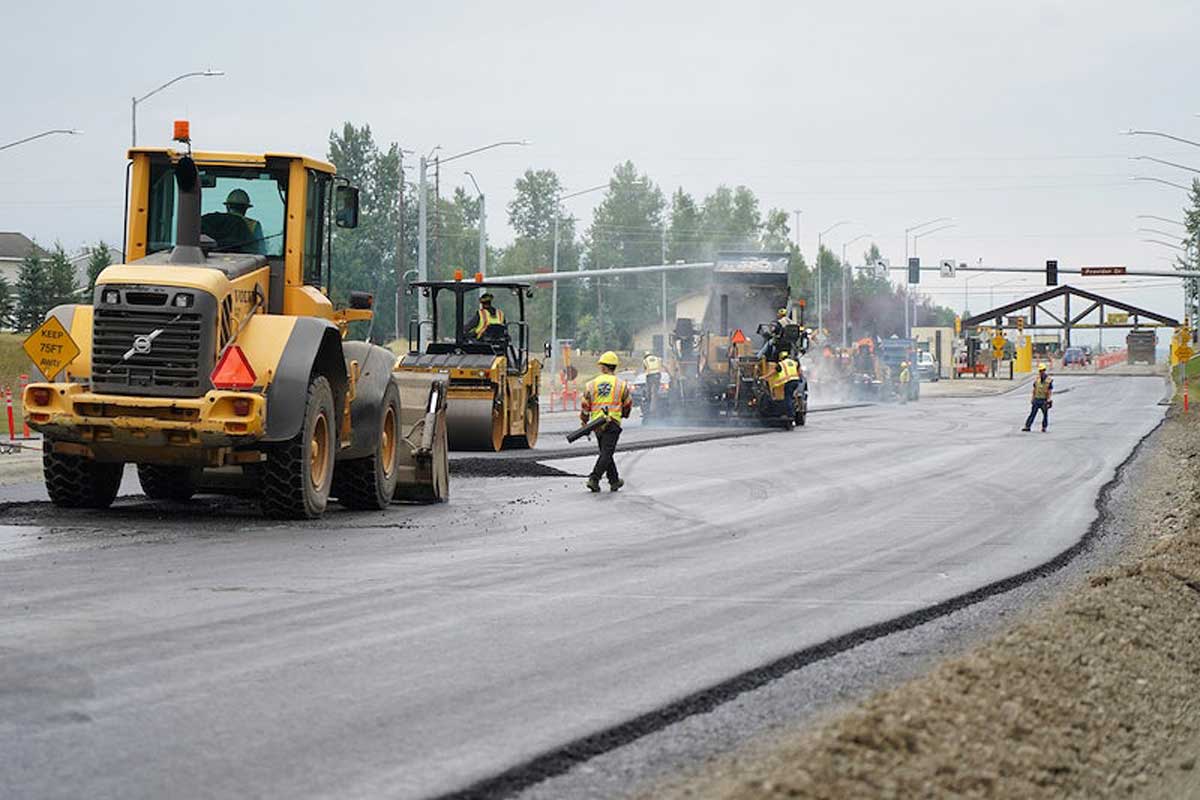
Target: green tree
x,y
60,277
776,233
627,230
531,215
365,257
8,303
99,257
34,298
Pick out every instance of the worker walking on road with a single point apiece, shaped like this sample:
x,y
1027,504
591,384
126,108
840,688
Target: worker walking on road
x,y
1043,387
652,366
905,381
606,396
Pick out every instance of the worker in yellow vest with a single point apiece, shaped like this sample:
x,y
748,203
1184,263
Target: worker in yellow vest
x,y
652,366
486,317
787,375
606,396
1043,388
905,379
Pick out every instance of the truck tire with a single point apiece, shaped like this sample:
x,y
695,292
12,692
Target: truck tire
x,y
163,482
368,483
297,475
78,482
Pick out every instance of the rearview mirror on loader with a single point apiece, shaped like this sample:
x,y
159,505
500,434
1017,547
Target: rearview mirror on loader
x,y
547,349
346,205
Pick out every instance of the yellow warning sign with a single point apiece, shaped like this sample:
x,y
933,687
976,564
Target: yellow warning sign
x,y
51,348
1183,352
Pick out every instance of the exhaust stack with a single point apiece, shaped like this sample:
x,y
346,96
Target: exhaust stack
x,y
187,232
187,177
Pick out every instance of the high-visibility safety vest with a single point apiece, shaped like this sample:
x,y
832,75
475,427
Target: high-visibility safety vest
x,y
1041,389
652,364
605,393
789,371
487,316
905,376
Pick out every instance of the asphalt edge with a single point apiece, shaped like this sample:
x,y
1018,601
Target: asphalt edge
x,y
563,759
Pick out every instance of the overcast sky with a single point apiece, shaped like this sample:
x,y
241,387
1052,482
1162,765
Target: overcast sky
x,y
1002,115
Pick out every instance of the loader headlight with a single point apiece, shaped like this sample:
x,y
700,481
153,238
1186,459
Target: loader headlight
x,y
111,297
183,300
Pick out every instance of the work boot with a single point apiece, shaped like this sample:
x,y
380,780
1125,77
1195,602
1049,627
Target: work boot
x,y
593,484
615,485
1025,429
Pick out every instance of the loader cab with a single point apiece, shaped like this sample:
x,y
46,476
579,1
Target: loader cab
x,y
454,306
274,211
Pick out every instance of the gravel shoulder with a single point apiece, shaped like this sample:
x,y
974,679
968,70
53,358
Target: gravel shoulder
x,y
1092,694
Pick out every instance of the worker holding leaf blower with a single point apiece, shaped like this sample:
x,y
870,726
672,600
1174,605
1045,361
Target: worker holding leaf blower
x,y
606,401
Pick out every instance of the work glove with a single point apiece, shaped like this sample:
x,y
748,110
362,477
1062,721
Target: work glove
x,y
1049,404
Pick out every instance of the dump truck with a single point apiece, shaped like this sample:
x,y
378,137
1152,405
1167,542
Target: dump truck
x,y
214,358
716,371
1141,344
492,394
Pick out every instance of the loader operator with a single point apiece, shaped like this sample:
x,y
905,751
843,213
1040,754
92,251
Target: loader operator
x,y
1043,388
232,229
482,327
787,374
652,366
606,396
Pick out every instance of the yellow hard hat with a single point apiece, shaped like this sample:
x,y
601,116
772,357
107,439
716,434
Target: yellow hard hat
x,y
609,359
782,312
1041,367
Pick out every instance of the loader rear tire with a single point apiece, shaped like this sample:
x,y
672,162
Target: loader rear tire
x,y
163,482
297,475
78,482
368,483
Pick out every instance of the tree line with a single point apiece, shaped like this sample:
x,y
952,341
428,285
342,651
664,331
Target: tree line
x,y
45,279
635,223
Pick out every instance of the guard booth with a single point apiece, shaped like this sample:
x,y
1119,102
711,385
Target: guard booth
x,y
1052,311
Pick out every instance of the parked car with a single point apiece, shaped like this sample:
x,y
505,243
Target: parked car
x,y
1075,357
926,367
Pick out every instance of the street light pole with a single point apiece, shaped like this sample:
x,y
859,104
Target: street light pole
x,y
67,131
482,225
1160,180
206,73
907,285
1163,135
820,244
1166,163
846,290
554,285
423,213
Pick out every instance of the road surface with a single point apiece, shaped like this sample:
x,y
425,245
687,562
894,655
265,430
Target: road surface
x,y
201,651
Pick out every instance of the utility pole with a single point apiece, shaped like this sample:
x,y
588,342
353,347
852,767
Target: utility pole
x,y
400,249
663,349
422,247
554,302
482,235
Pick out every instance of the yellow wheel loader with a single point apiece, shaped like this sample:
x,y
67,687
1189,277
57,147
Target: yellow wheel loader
x,y
214,358
493,381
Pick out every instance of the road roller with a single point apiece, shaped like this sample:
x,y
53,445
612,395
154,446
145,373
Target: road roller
x,y
492,400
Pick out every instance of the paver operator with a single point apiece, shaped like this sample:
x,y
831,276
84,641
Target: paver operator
x,y
607,396
1043,388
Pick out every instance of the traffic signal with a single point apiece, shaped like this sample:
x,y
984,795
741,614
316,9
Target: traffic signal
x,y
1052,273
914,270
